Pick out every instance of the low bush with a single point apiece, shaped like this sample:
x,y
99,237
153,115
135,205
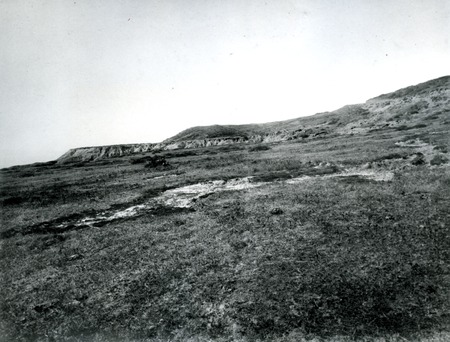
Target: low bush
x,y
441,148
419,159
156,161
402,128
257,148
438,159
140,160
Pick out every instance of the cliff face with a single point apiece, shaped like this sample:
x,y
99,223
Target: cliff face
x,y
422,105
84,154
195,143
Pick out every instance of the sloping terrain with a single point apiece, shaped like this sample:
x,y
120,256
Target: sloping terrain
x,y
337,236
402,109
421,105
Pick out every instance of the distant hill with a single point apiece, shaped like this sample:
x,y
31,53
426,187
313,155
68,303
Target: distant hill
x,y
376,112
424,88
217,131
422,105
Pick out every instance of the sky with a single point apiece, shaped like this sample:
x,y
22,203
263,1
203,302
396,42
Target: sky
x,y
99,72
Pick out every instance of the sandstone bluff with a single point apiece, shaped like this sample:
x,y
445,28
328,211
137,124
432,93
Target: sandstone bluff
x,y
401,110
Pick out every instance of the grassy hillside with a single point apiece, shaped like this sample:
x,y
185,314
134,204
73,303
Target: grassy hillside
x,y
427,104
217,131
336,238
425,88
418,102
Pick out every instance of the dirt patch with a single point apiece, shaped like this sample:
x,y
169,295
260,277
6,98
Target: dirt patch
x,y
374,175
411,143
184,197
180,199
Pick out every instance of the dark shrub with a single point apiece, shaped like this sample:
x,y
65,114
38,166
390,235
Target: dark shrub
x,y
156,161
258,148
402,128
441,148
419,159
150,161
140,160
438,160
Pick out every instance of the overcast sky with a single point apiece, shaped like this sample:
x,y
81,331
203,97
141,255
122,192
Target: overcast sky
x,y
97,72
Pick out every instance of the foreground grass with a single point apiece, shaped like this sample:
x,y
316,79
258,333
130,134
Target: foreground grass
x,y
342,258
295,336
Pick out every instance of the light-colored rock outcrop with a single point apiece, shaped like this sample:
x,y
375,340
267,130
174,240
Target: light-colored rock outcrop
x,y
84,154
412,107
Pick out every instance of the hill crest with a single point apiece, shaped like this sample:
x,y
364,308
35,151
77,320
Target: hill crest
x,y
411,107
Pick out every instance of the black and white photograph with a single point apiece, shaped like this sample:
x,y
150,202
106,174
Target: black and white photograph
x,y
224,170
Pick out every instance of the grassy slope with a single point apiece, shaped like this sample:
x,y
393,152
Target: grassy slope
x,y
423,105
345,258
399,106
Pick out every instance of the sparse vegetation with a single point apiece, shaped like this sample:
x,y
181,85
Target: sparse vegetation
x,y
330,257
156,161
419,159
257,148
438,159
